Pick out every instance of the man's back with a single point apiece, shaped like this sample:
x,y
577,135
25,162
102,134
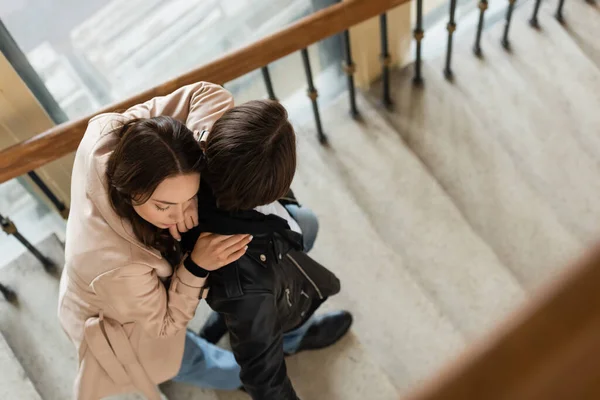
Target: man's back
x,y
271,290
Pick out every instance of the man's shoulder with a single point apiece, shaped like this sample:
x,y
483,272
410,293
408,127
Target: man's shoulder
x,y
254,276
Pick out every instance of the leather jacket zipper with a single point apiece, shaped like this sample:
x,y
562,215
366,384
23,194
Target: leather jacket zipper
x,y
305,275
287,295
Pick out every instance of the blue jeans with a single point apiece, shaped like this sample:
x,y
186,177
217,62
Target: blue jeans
x,y
209,366
308,222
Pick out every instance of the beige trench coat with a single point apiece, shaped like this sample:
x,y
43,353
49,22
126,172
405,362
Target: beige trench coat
x,y
128,328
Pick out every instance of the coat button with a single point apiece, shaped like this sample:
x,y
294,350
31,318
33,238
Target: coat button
x,y
263,258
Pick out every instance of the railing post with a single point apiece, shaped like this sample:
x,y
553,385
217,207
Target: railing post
x,y
9,228
60,206
451,27
509,12
559,12
418,35
267,78
386,60
312,94
8,294
483,5
534,18
349,68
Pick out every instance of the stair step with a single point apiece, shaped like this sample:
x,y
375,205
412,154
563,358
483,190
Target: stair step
x,y
14,383
406,246
440,126
554,148
32,329
581,25
343,371
181,391
563,74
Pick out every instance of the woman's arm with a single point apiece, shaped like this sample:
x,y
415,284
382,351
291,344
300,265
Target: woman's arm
x,y
198,105
136,293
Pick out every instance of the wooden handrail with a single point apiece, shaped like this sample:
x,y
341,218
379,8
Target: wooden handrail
x,y
549,350
63,139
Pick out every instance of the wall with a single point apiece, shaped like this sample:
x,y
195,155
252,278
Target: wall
x,y
21,117
366,48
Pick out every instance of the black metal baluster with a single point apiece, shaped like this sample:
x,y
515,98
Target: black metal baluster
x,y
511,7
451,28
8,294
312,94
559,12
418,35
349,69
534,18
9,227
483,5
386,60
60,206
267,78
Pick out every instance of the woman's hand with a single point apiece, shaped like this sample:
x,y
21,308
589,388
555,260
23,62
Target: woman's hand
x,y
190,220
213,251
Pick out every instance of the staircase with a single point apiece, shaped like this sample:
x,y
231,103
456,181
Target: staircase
x,y
440,217
14,383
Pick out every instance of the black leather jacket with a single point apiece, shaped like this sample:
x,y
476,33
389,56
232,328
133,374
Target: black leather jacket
x,y
274,288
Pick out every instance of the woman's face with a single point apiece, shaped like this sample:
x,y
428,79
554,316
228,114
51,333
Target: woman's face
x,y
172,196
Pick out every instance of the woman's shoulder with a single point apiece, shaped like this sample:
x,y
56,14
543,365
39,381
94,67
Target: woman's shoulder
x,y
99,127
98,135
105,123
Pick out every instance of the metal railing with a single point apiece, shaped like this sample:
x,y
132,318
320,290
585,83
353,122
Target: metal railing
x,y
52,144
63,139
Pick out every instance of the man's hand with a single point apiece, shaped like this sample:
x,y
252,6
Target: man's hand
x,y
190,220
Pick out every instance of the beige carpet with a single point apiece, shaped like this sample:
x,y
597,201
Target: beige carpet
x,y
513,141
14,382
32,329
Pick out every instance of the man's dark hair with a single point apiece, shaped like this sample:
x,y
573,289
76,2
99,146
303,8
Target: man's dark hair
x,y
251,155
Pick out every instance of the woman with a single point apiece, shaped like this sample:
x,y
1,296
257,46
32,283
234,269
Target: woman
x,y
127,293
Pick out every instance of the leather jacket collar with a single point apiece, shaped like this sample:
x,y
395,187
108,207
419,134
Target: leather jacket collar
x,y
262,227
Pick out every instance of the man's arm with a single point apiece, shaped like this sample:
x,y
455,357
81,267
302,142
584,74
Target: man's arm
x,y
257,343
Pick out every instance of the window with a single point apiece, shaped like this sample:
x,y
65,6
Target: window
x,y
88,54
91,53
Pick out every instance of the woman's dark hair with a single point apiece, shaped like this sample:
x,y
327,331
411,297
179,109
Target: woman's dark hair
x,y
149,151
251,155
